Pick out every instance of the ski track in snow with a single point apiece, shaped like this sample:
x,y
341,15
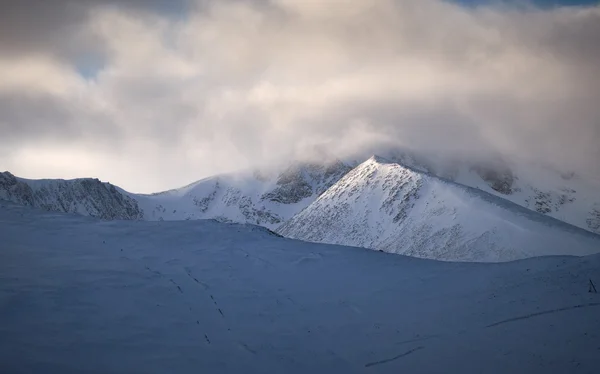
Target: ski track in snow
x,y
532,315
393,358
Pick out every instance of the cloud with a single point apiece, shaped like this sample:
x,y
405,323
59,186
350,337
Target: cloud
x,y
234,84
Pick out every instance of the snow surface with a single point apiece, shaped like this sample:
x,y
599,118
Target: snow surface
x,y
569,197
79,295
386,206
258,198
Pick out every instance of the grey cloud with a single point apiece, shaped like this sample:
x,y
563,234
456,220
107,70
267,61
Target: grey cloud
x,y
238,83
31,26
17,123
59,27
36,117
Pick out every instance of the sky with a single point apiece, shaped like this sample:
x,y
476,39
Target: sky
x,y
152,95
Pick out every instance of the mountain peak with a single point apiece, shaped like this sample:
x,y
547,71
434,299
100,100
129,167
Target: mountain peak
x,y
378,160
386,206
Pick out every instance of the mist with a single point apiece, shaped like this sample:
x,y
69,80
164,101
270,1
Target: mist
x,y
151,95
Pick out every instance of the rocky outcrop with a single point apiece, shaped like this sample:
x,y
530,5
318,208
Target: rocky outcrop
x,y
593,221
83,196
303,180
500,179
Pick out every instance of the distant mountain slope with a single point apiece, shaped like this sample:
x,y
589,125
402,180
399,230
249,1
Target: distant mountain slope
x,y
266,200
564,196
271,198
83,196
258,198
385,206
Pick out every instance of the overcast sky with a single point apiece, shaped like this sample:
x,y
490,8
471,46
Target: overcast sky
x,y
154,94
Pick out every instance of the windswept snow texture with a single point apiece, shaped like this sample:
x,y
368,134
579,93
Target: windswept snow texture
x,y
254,198
385,206
565,196
78,295
83,196
568,198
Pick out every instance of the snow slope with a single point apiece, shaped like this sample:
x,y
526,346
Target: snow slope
x,y
382,205
83,196
253,197
78,295
257,198
270,199
569,197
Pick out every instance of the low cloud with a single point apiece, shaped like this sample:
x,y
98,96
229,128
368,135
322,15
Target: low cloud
x,y
212,86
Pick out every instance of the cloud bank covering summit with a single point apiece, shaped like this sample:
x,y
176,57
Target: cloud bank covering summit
x,y
155,94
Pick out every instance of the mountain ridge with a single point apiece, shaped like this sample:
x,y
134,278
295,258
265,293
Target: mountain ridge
x,y
87,196
270,197
383,205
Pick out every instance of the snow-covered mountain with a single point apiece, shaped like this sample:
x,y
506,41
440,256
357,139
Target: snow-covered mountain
x,y
83,196
568,197
271,198
386,206
263,198
78,295
258,198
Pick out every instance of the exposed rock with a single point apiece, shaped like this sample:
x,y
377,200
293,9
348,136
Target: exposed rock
x,y
302,180
84,196
499,178
593,220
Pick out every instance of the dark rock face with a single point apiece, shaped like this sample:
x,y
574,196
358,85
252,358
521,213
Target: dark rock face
x,y
500,179
11,189
84,196
302,180
291,187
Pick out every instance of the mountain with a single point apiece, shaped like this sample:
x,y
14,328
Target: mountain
x,y
83,196
389,207
258,198
210,297
263,198
270,198
568,197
